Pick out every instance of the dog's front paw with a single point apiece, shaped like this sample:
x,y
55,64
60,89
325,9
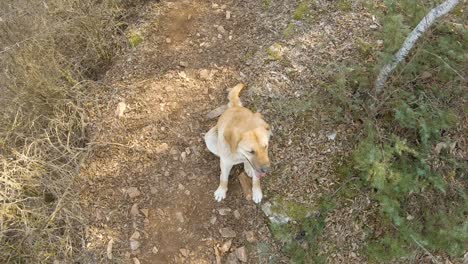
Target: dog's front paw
x,y
257,195
220,194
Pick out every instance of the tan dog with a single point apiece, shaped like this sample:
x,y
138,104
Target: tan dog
x,y
240,136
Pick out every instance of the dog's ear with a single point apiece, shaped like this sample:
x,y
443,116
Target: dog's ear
x,y
232,137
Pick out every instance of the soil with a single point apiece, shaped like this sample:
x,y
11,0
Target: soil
x,y
149,180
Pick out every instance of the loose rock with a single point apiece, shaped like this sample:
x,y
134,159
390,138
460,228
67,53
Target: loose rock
x,y
237,215
185,252
162,148
155,250
241,254
180,217
226,246
134,210
224,211
250,236
134,245
205,74
133,192
232,259
227,232
136,261
135,236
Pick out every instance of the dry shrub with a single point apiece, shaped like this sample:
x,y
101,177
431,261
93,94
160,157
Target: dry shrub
x,y
49,50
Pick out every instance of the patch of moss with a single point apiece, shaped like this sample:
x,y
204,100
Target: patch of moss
x,y
267,3
345,5
275,52
301,10
289,30
135,39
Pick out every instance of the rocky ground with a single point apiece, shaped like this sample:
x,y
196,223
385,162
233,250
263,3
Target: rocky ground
x,y
150,180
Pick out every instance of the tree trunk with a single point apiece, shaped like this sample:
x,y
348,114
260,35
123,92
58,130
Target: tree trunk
x,y
422,27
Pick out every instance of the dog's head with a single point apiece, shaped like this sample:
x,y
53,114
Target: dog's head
x,y
253,145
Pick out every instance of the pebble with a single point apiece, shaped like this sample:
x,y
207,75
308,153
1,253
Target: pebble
x,y
250,236
205,74
237,214
135,236
226,246
134,245
213,220
228,15
241,254
145,211
183,63
136,261
168,40
185,252
134,210
162,148
224,211
133,192
180,217
155,250
227,232
232,259
221,30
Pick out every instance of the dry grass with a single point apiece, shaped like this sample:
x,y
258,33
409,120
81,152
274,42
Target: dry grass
x,y
49,50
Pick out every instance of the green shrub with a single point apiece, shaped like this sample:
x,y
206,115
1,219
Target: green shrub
x,y
421,191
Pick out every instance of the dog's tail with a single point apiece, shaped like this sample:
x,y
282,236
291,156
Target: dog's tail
x,y
233,96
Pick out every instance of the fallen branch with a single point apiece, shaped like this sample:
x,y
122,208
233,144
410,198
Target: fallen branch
x,y
422,27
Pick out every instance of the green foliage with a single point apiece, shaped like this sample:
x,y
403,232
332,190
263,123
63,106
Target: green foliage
x,y
301,11
421,192
300,237
135,39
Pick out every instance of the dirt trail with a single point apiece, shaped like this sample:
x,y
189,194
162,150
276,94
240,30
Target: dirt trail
x,y
192,52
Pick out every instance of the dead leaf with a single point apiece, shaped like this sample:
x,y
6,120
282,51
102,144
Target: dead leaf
x,y
109,248
216,112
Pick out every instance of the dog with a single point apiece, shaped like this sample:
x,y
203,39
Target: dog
x,y
240,136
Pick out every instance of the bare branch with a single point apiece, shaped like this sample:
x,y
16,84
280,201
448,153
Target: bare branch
x,y
422,27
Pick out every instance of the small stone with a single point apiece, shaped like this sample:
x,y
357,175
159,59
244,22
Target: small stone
x,y
134,210
136,261
221,29
168,40
162,148
237,214
228,15
145,211
183,155
224,211
180,217
223,7
214,6
133,192
119,111
135,236
241,254
185,252
220,36
232,259
373,26
187,192
181,186
331,135
213,220
250,236
227,232
166,173
205,74
352,254
155,250
226,246
134,245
